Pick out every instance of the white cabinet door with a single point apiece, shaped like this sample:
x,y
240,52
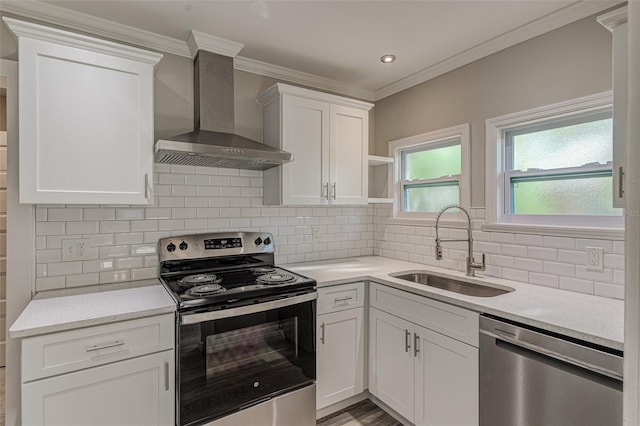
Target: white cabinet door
x,y
446,386
391,361
340,361
305,133
138,391
328,136
349,155
86,119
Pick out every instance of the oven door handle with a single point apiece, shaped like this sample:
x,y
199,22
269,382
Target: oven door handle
x,y
246,310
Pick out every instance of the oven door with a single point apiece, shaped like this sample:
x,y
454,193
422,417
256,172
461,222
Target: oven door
x,y
235,358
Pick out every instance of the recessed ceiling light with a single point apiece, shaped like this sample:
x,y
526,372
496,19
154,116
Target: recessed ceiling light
x,y
387,59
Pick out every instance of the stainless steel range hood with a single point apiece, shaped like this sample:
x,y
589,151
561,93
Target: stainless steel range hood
x,y
213,142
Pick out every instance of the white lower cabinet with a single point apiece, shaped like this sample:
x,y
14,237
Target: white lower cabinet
x,y
137,391
391,364
341,344
121,373
427,377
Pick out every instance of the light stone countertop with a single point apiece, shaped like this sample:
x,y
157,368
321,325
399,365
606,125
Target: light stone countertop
x,y
594,319
58,311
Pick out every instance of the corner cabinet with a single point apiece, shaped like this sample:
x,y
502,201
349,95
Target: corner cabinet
x,y
328,136
433,348
114,374
85,118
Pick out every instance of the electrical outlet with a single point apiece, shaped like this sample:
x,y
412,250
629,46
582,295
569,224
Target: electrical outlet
x,y
76,249
316,233
595,258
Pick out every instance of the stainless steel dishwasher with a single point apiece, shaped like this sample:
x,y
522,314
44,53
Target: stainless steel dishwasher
x,y
531,377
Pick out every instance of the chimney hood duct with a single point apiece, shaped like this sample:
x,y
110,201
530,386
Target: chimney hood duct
x,y
213,142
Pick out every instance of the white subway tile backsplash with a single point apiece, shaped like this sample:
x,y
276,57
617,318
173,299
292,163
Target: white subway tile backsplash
x,y
559,242
542,253
200,199
64,214
609,290
99,214
79,228
577,285
546,280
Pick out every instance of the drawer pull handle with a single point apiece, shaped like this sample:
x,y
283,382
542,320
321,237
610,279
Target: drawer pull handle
x,y
342,299
322,333
407,340
105,345
416,345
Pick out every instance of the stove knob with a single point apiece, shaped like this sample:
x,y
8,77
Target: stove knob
x,y
267,241
258,241
183,246
171,248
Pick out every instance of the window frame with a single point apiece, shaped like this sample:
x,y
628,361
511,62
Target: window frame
x,y
426,141
497,196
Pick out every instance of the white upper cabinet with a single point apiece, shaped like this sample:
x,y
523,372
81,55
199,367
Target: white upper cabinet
x,y
86,118
328,136
616,22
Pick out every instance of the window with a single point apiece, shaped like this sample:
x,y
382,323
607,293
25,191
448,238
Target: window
x,y
431,172
553,166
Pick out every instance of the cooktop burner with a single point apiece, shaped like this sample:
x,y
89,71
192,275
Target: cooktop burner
x,y
275,278
198,279
205,290
218,270
263,270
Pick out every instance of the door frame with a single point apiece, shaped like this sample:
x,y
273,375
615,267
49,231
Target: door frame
x,y
21,239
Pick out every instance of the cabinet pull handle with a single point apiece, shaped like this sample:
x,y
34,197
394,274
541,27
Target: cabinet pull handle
x,y
166,375
146,186
325,191
620,182
407,341
416,345
342,299
97,347
322,333
333,190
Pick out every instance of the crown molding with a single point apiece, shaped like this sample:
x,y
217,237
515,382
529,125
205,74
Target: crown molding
x,y
574,12
41,32
614,18
202,41
67,18
279,89
281,73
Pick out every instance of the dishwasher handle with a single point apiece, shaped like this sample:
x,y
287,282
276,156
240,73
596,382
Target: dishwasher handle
x,y
550,353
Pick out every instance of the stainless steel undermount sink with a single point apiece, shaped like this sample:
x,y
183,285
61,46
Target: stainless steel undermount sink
x,y
451,284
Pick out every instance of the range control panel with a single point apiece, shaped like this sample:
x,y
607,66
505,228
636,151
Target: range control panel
x,y
214,244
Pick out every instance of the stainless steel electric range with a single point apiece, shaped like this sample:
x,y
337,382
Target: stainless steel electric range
x,y
245,331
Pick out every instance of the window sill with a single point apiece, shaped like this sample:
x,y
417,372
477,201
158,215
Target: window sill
x,y
431,222
557,231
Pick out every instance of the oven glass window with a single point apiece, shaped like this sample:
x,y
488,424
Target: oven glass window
x,y
231,363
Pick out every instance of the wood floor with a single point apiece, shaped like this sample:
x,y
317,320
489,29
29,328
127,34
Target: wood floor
x,y
364,413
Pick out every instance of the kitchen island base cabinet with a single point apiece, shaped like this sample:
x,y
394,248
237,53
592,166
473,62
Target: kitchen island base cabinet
x,y
137,391
341,343
424,375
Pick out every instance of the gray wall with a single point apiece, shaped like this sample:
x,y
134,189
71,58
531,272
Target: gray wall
x,y
567,63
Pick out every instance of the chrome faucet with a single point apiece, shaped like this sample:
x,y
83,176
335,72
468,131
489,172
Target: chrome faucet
x,y
471,264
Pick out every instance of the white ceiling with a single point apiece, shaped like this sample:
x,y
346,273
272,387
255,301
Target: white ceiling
x,y
343,40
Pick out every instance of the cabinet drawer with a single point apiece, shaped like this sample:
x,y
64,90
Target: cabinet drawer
x,y
457,323
340,297
63,352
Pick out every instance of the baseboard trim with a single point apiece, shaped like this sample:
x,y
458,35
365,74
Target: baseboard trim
x,y
323,412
